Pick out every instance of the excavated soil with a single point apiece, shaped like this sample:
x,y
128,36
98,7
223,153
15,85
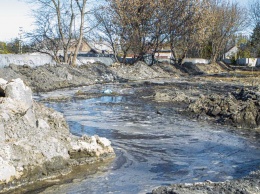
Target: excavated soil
x,y
52,77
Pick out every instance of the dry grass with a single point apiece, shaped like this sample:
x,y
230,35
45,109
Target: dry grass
x,y
246,78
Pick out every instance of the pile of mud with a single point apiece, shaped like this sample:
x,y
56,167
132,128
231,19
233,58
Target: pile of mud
x,y
240,108
35,142
138,71
51,77
200,69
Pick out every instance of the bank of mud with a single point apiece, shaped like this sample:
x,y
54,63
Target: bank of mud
x,y
248,185
205,92
51,77
35,141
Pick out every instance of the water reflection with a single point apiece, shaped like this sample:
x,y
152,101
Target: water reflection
x,y
155,149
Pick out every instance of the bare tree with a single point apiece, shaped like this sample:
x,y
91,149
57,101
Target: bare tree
x,y
255,12
57,23
134,23
81,7
227,19
144,26
158,33
106,29
187,26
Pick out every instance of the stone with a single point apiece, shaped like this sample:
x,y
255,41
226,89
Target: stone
x,y
42,124
104,142
7,171
17,90
3,82
30,117
2,87
2,133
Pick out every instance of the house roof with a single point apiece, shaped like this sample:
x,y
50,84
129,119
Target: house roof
x,y
100,46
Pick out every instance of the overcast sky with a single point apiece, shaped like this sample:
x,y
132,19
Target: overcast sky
x,y
16,13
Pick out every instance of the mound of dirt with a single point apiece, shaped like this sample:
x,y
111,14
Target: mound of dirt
x,y
170,69
211,68
199,69
139,71
35,142
239,108
51,77
171,96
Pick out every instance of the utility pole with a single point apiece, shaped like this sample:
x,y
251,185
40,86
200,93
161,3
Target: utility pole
x,y
20,40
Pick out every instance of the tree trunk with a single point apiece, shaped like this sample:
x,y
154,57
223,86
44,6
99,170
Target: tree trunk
x,y
82,17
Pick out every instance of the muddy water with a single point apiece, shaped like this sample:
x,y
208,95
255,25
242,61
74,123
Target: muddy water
x,y
155,149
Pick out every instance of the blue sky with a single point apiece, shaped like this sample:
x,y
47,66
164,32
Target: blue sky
x,y
16,13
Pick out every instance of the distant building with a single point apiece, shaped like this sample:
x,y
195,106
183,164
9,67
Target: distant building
x,y
164,54
88,48
101,47
85,47
232,52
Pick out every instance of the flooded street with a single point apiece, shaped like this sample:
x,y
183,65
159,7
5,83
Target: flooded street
x,y
154,146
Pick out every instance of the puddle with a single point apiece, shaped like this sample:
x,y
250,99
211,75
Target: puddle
x,y
154,149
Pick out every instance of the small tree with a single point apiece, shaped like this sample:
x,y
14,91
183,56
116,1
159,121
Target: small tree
x,y
136,25
13,46
106,29
59,27
3,48
187,26
227,20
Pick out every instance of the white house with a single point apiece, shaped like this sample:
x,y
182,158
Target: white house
x,y
101,47
230,53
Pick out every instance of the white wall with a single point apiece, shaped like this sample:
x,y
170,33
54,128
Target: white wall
x,y
37,59
252,62
32,60
85,60
195,60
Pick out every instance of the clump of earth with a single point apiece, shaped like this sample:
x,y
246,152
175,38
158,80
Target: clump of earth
x,y
241,108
